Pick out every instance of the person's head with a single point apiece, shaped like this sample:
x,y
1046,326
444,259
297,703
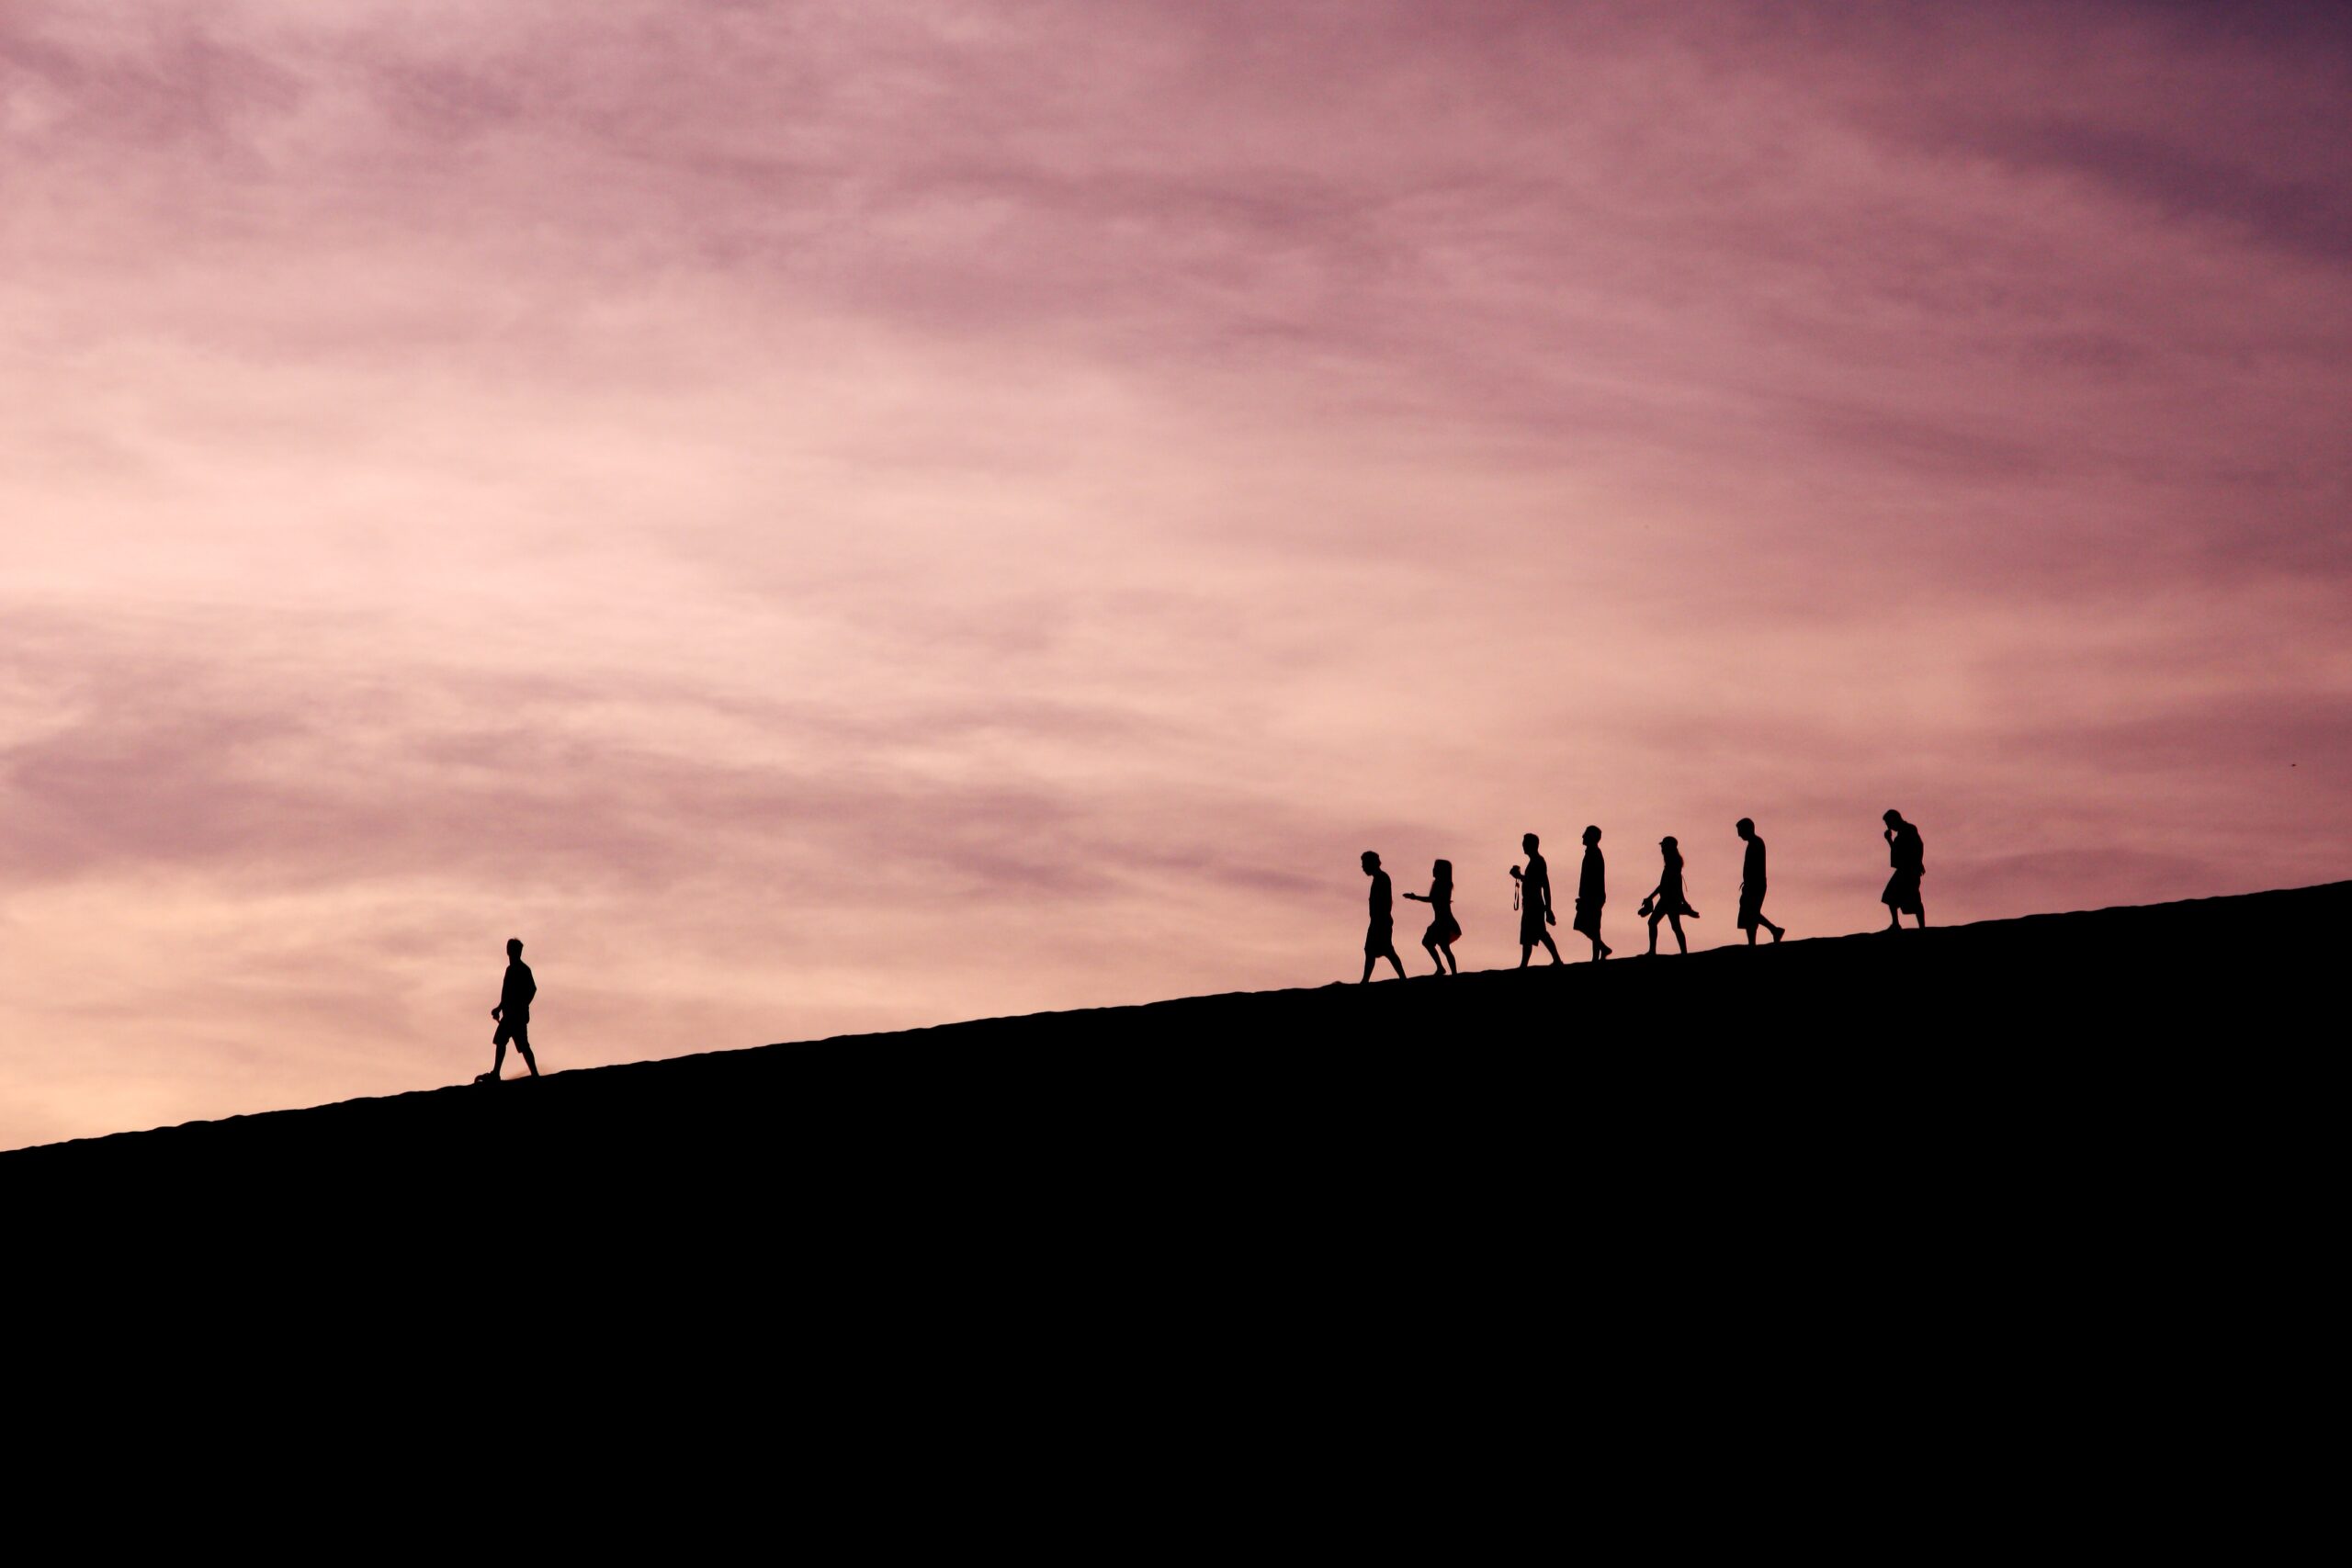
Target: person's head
x,y
1892,818
1442,872
514,947
1592,836
1745,827
1672,850
1371,862
1528,841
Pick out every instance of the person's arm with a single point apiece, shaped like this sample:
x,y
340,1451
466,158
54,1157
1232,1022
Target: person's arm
x,y
1417,898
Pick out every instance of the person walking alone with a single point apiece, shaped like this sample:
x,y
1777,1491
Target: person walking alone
x,y
514,1013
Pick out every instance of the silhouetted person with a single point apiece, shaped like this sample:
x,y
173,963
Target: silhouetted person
x,y
1909,858
1380,938
1443,931
1751,885
1592,892
1534,903
1666,901
514,1012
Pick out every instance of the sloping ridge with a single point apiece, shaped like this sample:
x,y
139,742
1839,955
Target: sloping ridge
x,y
1797,1227
2093,1017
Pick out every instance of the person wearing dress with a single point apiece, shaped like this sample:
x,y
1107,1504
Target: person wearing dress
x,y
1908,856
1534,903
1666,901
1380,936
1592,892
1443,931
1751,885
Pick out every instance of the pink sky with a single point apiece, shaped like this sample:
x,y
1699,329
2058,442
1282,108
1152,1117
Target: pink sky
x,y
825,518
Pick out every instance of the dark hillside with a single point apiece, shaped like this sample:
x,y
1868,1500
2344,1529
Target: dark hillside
x,y
1952,1058
1856,1228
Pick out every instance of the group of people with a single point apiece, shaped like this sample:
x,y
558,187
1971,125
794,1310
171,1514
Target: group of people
x,y
1531,896
1666,903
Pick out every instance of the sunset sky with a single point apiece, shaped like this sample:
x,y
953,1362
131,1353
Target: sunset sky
x,y
831,517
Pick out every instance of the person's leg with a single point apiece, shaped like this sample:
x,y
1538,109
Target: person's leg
x,y
1428,945
1396,963
1778,931
1552,947
1675,921
1894,917
1526,951
1920,913
1751,936
1367,968
1654,920
1453,964
523,1045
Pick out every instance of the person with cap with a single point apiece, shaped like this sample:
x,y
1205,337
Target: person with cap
x,y
1666,901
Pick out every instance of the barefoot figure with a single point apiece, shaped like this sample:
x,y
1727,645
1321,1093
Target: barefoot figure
x,y
514,1013
1666,901
1592,892
1909,858
1751,885
1533,902
1443,931
1380,937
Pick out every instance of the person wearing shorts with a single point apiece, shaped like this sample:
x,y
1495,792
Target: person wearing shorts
x,y
514,1013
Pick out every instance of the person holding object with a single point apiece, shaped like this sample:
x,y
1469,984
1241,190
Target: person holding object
x,y
1592,892
1443,931
1909,857
1751,885
514,1012
1380,938
1666,901
1533,902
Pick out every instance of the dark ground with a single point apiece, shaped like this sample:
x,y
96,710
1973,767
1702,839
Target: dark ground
x,y
1983,1188
1879,1078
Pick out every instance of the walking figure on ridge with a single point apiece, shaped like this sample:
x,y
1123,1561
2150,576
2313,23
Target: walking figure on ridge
x,y
1380,937
514,1013
1444,931
1751,885
1909,857
1592,892
1666,901
1533,902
